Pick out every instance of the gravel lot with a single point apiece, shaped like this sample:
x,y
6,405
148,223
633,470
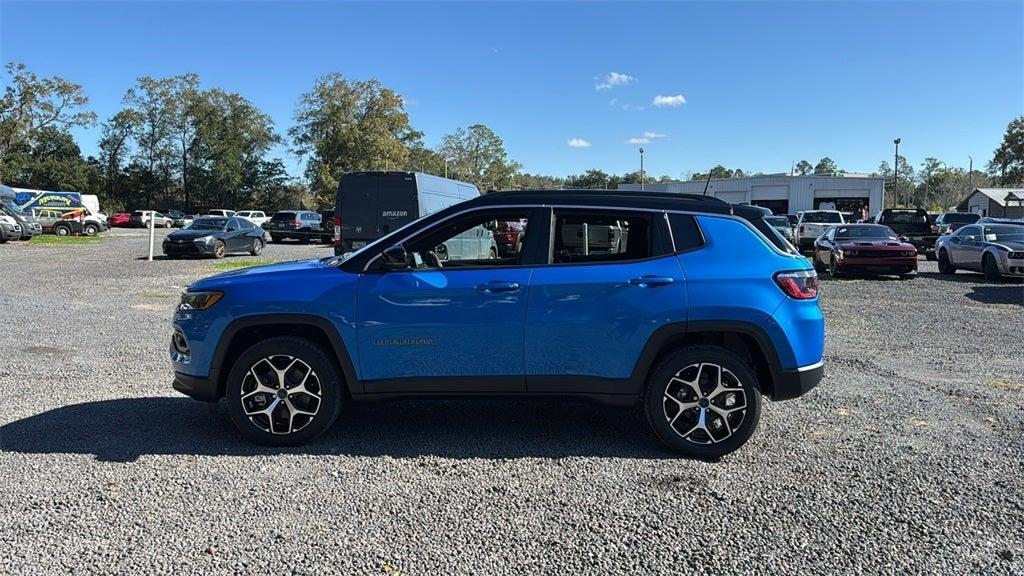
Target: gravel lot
x,y
908,457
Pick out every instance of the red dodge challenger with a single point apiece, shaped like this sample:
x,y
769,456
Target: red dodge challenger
x,y
866,249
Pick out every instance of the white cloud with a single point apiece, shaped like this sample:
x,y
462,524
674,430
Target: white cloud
x,y
653,135
611,80
578,143
673,101
638,141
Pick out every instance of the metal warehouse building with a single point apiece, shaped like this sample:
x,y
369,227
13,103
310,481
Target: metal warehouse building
x,y
785,194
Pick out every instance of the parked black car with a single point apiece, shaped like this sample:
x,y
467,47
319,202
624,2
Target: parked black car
x,y
950,221
215,236
301,225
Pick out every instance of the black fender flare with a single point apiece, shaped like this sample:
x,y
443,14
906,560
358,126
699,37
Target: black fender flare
x,y
218,370
664,335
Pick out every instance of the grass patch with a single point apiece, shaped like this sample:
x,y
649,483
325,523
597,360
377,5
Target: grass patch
x,y
238,264
52,239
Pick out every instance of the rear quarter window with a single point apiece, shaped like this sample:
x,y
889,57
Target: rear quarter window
x,y
685,232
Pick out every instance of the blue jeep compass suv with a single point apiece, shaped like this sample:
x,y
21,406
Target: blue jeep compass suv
x,y
690,306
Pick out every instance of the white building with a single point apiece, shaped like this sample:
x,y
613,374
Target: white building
x,y
785,194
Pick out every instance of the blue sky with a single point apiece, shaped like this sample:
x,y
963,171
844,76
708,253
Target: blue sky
x,y
764,84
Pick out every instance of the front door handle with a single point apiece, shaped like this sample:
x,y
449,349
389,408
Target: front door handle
x,y
648,281
497,287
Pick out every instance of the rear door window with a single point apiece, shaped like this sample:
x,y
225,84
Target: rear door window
x,y
607,236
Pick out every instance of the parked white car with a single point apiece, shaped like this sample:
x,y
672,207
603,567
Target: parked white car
x,y
222,213
814,223
257,217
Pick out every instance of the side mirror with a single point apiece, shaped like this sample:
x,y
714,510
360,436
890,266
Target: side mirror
x,y
492,225
904,239
395,257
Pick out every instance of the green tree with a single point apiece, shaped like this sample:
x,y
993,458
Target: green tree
x,y
114,145
344,125
478,156
1007,164
30,104
150,101
52,162
903,193
592,178
803,168
718,172
825,167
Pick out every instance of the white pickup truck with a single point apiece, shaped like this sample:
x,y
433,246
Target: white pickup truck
x,y
813,223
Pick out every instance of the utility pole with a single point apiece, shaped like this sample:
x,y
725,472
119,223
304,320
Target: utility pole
x,y
970,176
896,174
641,169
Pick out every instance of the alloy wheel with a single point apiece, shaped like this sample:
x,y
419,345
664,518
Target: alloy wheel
x,y
281,394
704,403
257,247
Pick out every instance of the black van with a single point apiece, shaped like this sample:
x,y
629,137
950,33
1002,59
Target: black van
x,y
372,204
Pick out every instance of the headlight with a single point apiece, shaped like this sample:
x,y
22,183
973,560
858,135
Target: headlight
x,y
1016,255
204,240
199,300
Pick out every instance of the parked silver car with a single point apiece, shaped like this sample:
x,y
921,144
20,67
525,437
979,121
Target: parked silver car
x,y
996,250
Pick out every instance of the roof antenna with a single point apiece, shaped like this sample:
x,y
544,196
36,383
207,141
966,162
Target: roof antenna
x,y
707,183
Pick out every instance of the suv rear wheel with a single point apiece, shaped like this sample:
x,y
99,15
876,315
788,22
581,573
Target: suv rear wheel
x,y
284,391
62,229
703,401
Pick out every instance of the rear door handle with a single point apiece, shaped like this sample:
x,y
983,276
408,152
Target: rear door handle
x,y
497,287
648,281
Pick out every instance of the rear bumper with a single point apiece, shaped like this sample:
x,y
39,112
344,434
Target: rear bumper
x,y
791,384
199,388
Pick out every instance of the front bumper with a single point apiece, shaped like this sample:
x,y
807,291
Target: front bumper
x,y
199,388
1011,266
789,384
187,248
877,265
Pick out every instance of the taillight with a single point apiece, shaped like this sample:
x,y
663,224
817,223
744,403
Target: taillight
x,y
801,228
799,284
297,223
337,231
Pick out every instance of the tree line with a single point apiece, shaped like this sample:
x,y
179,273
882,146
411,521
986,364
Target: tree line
x,y
177,144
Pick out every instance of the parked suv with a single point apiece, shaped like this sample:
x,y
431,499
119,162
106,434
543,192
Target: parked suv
x,y
666,319
302,225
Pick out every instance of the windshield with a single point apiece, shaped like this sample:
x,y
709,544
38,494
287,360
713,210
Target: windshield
x,y
778,221
209,224
823,217
1004,233
866,231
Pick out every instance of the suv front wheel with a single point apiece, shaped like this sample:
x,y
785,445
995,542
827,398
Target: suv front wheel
x,y
703,401
284,391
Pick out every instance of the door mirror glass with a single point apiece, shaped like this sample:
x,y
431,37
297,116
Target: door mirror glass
x,y
395,258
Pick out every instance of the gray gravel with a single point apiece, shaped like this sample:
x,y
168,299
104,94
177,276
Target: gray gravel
x,y
908,458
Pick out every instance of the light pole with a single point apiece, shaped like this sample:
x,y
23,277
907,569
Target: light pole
x,y
970,176
446,161
641,169
896,174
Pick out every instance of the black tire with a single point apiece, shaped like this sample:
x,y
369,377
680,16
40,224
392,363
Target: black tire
x,y
930,256
257,247
832,269
62,230
289,347
990,268
91,230
944,265
493,255
219,250
274,239
3,236
814,262
662,386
